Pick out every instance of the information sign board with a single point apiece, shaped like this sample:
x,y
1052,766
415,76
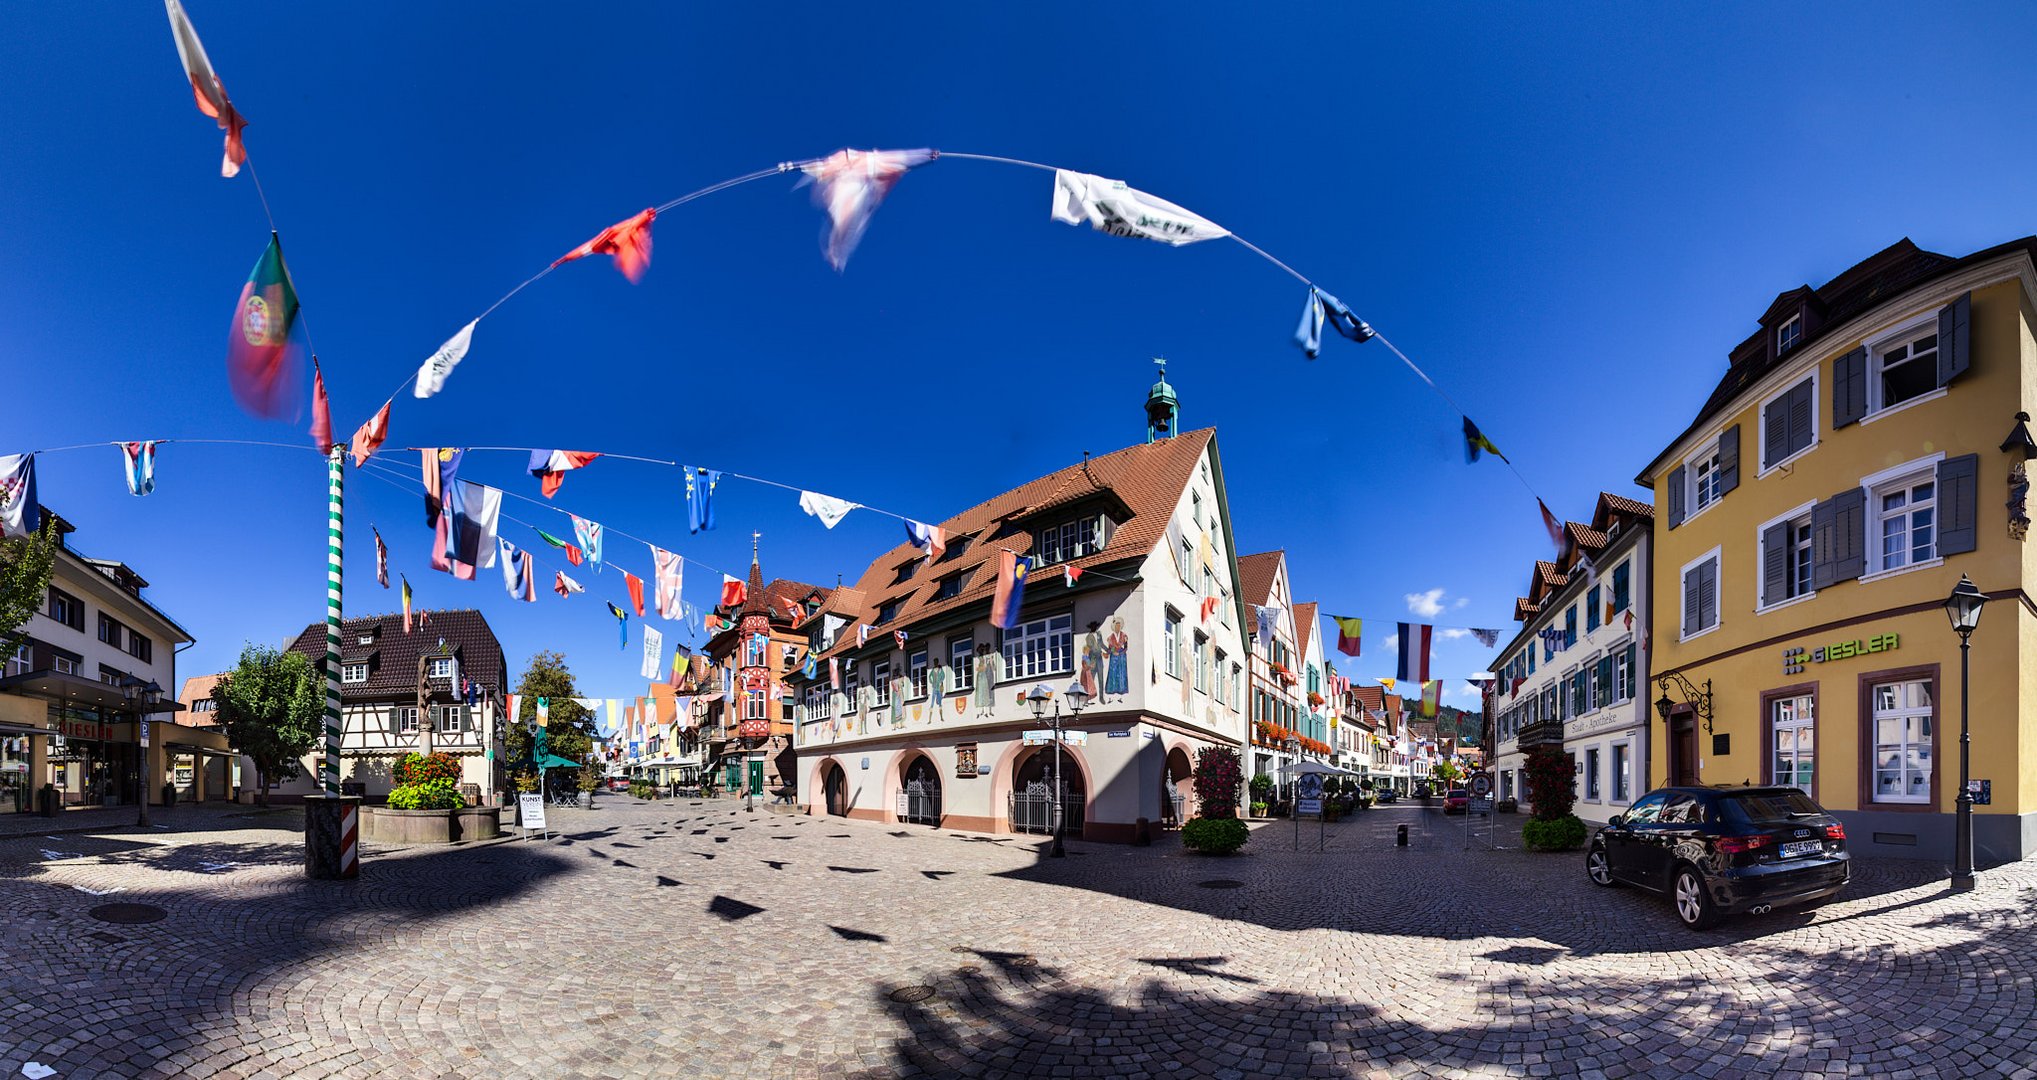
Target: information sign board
x,y
530,808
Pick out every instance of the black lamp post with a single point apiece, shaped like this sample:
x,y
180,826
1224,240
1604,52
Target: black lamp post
x,y
1078,699
142,697
1963,608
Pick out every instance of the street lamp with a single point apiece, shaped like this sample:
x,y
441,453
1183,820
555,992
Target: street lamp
x,y
142,698
1078,699
1963,608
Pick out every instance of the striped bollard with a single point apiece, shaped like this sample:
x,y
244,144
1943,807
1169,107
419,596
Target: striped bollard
x,y
332,822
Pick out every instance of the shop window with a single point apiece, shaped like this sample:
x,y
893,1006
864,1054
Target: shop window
x,y
1591,774
1793,737
1903,741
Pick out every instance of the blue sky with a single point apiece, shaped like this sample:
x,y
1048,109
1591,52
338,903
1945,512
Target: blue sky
x,y
1567,216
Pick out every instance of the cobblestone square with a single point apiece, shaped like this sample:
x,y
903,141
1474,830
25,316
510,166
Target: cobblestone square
x,y
695,939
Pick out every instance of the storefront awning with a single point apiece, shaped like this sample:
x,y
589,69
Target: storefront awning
x,y
78,690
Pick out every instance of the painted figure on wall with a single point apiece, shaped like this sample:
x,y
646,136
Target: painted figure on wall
x,y
1117,678
937,687
900,687
865,697
1187,681
1092,662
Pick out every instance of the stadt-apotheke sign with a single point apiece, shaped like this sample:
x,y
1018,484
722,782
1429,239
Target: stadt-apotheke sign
x,y
1798,657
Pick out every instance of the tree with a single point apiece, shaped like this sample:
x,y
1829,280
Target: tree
x,y
1551,781
1447,771
25,565
1216,782
570,731
272,704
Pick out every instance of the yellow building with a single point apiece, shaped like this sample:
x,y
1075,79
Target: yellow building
x,y
1849,468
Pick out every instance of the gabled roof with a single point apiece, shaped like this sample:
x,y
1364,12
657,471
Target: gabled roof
x,y
393,670
1370,697
1610,504
1140,486
1255,575
1304,627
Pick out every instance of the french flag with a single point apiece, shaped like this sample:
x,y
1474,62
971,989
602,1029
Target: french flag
x,y
1414,651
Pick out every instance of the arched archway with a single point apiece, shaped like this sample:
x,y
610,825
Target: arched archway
x,y
1032,792
919,794
1177,787
833,784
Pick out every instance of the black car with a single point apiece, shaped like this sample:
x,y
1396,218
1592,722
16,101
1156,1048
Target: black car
x,y
1386,795
1718,851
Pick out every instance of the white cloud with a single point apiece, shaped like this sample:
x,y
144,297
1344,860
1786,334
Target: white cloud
x,y
1460,689
1426,604
1454,632
1391,641
1461,602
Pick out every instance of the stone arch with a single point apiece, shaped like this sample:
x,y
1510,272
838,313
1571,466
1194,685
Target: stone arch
x,y
1015,759
1177,777
904,762
829,789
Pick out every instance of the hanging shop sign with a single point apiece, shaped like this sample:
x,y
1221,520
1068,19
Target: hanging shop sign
x,y
1797,658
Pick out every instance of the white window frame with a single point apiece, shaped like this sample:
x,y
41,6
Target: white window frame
x,y
365,639
1902,333
354,673
880,681
1784,340
1761,558
916,673
21,661
1596,696
1691,489
406,719
1806,722
1685,633
449,719
962,662
440,667
1761,424
1621,790
1170,642
1928,713
1877,567
63,665
1199,650
1623,675
1040,648
1594,791
756,704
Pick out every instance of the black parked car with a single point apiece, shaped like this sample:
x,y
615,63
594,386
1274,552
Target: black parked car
x,y
1386,795
1718,851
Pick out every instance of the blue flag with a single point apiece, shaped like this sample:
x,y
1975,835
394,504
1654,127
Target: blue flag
x,y
621,626
1324,308
700,498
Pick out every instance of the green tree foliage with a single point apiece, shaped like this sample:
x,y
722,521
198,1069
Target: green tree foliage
x,y
1447,772
570,734
25,564
272,704
1214,836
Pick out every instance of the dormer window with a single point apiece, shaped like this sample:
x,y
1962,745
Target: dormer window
x,y
1789,334
1071,539
441,667
951,586
887,611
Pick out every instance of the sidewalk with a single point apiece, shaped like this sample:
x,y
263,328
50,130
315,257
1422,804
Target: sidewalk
x,y
210,815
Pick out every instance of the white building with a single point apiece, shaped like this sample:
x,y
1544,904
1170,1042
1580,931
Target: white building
x,y
930,729
1576,675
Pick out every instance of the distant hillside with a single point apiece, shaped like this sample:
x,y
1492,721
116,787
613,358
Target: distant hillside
x,y
1463,724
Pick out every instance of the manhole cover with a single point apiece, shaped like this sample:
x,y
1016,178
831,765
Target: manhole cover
x,y
1221,883
969,969
128,913
912,993
1024,962
960,948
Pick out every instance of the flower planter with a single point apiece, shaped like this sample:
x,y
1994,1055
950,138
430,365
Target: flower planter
x,y
380,823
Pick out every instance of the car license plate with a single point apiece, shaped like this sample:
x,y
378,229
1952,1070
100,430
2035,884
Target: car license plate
x,y
1798,848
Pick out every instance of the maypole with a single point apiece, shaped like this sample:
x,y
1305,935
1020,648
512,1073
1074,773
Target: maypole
x,y
335,569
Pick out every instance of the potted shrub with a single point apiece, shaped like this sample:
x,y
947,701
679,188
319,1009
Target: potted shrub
x,y
1552,789
1262,791
1214,836
1216,830
1259,809
1507,806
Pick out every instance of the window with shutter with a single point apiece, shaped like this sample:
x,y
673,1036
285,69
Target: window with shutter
x,y
1787,428
1674,489
1958,504
1729,460
1701,594
1954,339
1849,388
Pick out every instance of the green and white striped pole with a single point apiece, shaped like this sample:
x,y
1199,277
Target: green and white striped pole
x,y
335,513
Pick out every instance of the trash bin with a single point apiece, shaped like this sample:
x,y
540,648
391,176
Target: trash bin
x,y
169,794
46,801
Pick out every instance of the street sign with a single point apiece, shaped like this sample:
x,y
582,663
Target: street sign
x,y
1481,804
1075,738
531,808
144,732
1983,791
1308,807
1481,785
1038,738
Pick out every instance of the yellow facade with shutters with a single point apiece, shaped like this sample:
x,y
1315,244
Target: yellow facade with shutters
x,y
1807,580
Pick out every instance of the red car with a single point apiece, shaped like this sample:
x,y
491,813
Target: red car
x,y
1456,801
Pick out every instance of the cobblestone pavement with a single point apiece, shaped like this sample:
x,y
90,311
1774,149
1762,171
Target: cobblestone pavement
x,y
685,939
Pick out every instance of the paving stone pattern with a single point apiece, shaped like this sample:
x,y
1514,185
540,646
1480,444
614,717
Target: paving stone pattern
x,y
731,944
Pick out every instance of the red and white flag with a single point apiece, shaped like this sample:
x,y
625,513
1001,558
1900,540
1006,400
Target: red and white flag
x,y
206,87
849,185
629,241
381,558
369,438
732,591
321,411
564,585
635,585
1070,573
669,570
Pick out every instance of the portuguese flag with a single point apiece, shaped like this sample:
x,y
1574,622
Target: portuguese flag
x,y
257,344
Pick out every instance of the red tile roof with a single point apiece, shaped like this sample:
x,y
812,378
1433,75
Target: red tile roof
x,y
1304,626
1148,479
1255,576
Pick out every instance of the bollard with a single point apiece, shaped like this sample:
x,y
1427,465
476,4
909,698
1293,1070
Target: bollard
x,y
1401,837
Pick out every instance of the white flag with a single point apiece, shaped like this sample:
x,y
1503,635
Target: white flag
x,y
827,508
1113,207
654,643
19,514
431,377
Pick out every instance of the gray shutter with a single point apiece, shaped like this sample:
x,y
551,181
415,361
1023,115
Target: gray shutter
x,y
1852,534
1774,563
1676,496
1953,339
1708,593
1605,679
1692,581
1849,388
1801,433
1775,429
1958,502
1729,460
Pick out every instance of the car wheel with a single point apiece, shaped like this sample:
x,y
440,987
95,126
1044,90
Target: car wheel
x,y
1693,904
1599,868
